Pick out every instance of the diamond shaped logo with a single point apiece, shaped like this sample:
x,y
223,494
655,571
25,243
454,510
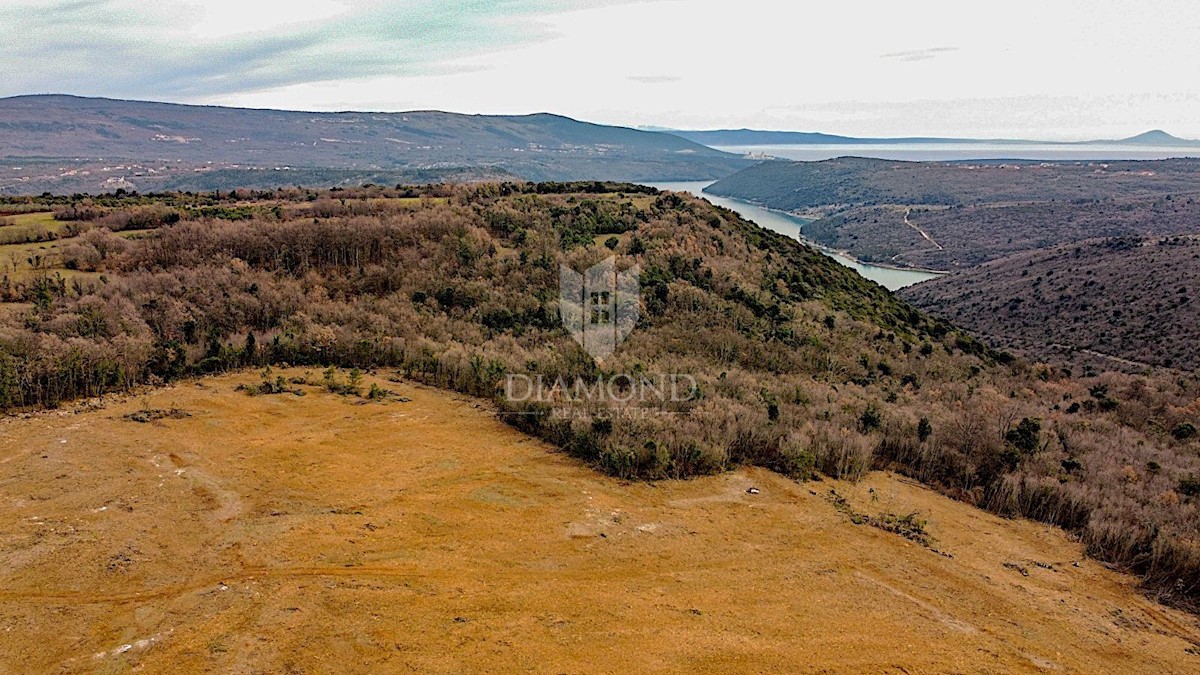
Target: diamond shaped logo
x,y
600,306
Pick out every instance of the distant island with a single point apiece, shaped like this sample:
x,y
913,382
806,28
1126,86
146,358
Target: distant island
x,y
743,137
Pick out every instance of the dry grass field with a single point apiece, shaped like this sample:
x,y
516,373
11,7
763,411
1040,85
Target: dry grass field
x,y
284,533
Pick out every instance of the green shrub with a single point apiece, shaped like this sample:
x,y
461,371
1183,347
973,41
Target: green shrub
x,y
870,419
1026,437
910,526
924,429
1183,431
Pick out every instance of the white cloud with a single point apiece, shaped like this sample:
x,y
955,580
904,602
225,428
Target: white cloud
x,y
1032,68
215,19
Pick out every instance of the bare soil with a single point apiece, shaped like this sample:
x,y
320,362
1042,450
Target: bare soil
x,y
323,533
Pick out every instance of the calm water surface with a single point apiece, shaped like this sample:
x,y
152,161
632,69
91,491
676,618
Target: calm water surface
x,y
949,152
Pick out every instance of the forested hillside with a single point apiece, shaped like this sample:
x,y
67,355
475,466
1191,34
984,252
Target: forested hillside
x,y
965,236
1123,303
852,181
955,215
802,366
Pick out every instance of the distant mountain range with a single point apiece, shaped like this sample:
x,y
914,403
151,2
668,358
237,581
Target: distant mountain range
x,y
744,137
72,144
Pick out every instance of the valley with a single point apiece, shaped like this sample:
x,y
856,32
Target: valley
x,y
967,213
1083,264
891,278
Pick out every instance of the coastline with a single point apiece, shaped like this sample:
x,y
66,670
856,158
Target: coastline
x,y
829,249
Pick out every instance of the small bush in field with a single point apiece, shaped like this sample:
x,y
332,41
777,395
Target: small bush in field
x,y
910,526
334,385
267,387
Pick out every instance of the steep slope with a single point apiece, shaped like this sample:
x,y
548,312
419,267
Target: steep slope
x,y
310,534
1118,303
165,140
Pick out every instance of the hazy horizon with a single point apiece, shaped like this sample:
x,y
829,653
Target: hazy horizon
x,y
638,127
1064,72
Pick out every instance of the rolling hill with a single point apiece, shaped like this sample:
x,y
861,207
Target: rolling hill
x,y
799,365
951,215
1157,138
1125,303
67,144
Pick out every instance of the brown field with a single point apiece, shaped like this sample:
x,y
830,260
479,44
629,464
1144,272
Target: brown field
x,y
310,534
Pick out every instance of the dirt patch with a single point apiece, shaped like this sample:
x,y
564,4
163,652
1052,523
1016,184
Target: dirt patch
x,y
310,534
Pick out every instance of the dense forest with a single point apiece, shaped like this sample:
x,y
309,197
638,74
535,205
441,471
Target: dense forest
x,y
802,366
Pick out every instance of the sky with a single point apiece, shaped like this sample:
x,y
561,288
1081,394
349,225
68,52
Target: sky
x,y
1044,69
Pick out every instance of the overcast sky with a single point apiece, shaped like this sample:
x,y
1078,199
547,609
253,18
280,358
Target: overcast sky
x,y
1050,69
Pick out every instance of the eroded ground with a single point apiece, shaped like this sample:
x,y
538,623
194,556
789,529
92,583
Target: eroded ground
x,y
322,533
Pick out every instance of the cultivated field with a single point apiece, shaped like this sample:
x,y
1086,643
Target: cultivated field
x,y
285,533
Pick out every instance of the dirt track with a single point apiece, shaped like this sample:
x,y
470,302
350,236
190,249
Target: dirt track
x,y
315,534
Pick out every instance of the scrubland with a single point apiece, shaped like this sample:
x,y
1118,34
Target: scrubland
x,y
803,367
